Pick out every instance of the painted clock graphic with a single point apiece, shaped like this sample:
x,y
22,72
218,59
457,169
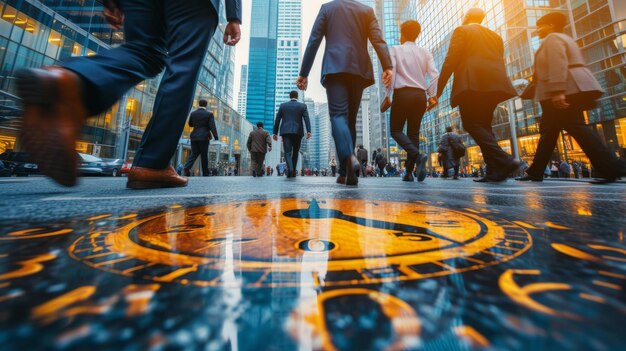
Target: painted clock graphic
x,y
333,242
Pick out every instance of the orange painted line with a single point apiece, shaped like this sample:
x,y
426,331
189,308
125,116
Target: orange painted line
x,y
473,336
614,275
593,298
621,259
113,261
607,285
4,285
556,226
95,218
132,215
472,210
475,260
136,268
525,225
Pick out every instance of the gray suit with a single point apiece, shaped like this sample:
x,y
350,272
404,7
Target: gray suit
x,y
559,68
445,147
289,117
259,142
347,69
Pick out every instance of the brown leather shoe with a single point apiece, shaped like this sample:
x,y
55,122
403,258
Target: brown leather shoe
x,y
53,115
149,178
341,180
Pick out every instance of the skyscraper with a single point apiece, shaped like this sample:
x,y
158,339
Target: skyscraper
x,y
243,91
325,143
262,62
288,48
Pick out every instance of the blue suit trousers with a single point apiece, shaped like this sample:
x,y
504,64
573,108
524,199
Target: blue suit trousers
x,y
170,35
344,93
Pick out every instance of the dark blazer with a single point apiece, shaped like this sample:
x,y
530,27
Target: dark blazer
x,y
291,114
259,140
203,124
346,25
476,57
233,9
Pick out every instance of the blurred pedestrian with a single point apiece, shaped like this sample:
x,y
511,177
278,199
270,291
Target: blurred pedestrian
x,y
333,166
346,71
259,143
171,35
414,89
291,118
476,57
203,124
565,88
452,149
362,155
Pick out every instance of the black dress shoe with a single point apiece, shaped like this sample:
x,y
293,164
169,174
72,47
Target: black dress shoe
x,y
489,180
603,180
529,178
408,178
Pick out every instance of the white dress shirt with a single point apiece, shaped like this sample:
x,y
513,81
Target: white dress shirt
x,y
411,65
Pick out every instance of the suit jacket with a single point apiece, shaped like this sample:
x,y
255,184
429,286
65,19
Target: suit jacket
x,y
203,124
233,9
291,114
560,68
361,155
259,141
445,144
476,57
347,25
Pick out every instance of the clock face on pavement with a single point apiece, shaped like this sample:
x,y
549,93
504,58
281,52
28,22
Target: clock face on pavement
x,y
295,241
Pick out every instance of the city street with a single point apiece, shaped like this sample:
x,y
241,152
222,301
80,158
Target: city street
x,y
242,263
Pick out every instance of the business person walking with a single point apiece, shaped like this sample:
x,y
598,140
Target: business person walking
x,y
203,124
566,88
171,35
476,57
414,82
347,70
259,143
290,118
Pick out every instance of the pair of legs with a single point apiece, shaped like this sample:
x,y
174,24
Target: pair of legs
x,y
409,104
344,92
160,34
199,148
291,144
477,115
258,158
572,120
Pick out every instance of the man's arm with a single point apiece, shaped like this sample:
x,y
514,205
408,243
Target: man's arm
x,y
191,120
279,117
213,126
232,32
268,140
380,45
454,56
249,142
307,121
317,34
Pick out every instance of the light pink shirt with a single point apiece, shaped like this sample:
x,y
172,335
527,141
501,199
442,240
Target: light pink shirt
x,y
411,65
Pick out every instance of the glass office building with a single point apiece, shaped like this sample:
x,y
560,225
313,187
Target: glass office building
x,y
33,35
599,27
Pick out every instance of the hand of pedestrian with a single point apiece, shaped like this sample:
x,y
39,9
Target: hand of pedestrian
x,y
559,101
232,33
275,137
387,78
432,102
308,135
113,14
302,83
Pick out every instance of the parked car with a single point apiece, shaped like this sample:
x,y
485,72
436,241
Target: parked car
x,y
18,163
92,165
116,165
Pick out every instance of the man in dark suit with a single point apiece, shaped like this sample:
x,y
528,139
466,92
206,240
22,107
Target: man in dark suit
x,y
171,35
476,57
203,124
289,117
346,71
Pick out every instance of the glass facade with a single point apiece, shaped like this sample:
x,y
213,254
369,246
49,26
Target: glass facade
x,y
33,35
262,63
599,28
